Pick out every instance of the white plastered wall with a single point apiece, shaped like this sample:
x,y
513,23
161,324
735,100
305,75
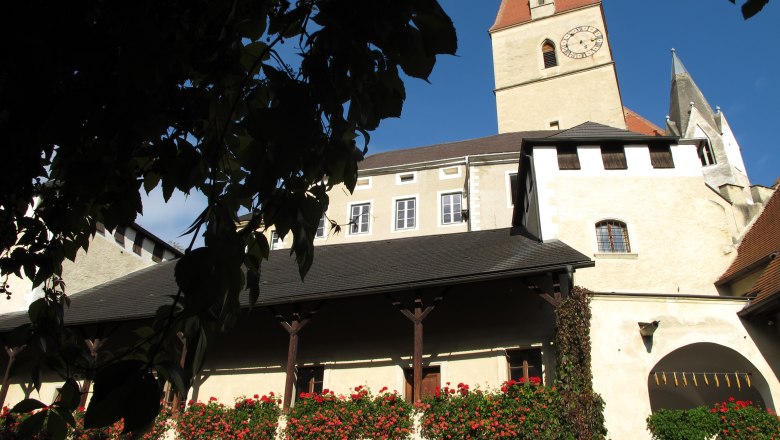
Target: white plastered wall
x,y
622,363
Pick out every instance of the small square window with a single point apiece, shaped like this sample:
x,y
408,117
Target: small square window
x,y
568,158
661,156
525,365
309,380
614,158
405,178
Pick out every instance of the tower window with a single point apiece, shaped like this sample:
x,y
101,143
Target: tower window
x,y
706,155
612,236
661,156
567,158
548,54
614,158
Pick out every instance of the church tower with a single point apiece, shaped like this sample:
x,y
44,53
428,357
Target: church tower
x,y
553,66
692,118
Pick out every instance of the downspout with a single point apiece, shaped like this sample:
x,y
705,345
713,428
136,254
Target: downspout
x,y
467,190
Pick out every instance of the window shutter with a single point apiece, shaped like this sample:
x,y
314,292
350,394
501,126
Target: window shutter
x,y
614,158
568,158
548,53
661,156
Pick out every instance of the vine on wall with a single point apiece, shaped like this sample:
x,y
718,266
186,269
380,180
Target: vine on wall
x,y
574,376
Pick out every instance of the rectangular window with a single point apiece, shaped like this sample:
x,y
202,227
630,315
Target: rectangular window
x,y
359,218
568,158
401,179
405,212
320,228
513,187
614,158
431,381
451,207
524,364
661,156
309,380
276,241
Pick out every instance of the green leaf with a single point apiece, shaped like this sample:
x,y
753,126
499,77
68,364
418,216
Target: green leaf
x,y
32,425
143,404
27,405
70,395
67,416
57,426
112,388
253,285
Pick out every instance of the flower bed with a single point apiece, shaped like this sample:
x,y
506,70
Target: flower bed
x,y
733,419
516,411
358,416
249,418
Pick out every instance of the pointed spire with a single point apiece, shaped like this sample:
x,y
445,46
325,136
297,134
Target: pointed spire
x,y
685,96
677,65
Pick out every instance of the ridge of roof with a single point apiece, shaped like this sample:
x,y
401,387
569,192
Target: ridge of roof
x,y
639,124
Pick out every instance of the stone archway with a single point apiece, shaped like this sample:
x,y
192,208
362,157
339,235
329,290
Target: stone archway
x,y
727,373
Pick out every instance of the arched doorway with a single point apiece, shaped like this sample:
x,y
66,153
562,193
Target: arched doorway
x,y
702,374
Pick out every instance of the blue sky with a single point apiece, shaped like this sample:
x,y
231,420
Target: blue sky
x,y
734,62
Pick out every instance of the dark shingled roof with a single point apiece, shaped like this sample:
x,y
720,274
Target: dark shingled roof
x,y
595,132
341,271
501,143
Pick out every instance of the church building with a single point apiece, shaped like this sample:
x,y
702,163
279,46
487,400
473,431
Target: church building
x,y
479,240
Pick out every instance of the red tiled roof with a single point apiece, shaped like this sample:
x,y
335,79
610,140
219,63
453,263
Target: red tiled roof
x,y
638,124
768,285
513,12
762,239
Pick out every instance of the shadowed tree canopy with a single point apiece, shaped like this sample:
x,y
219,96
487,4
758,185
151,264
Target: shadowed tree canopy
x,y
261,105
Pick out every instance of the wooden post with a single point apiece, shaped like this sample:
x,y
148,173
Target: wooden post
x,y
293,326
93,345
417,315
12,352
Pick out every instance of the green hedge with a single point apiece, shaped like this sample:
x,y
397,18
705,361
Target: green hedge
x,y
733,419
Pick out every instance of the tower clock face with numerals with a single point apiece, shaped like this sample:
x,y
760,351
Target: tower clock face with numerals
x,y
582,42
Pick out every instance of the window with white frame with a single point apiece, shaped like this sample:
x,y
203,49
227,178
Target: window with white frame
x,y
359,218
612,237
451,208
405,213
404,178
276,241
320,228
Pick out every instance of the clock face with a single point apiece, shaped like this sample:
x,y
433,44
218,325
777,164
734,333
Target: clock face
x,y
582,42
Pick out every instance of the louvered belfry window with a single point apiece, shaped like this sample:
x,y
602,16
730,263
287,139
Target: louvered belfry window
x,y
661,156
612,236
567,158
614,157
548,53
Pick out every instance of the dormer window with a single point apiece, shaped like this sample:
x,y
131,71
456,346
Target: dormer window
x,y
548,54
